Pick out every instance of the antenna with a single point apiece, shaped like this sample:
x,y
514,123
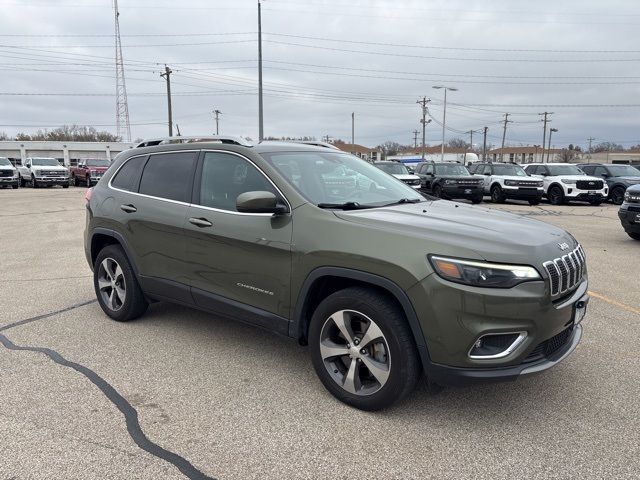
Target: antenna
x,y
122,108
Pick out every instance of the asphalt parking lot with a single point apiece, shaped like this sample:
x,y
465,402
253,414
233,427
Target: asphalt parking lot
x,y
181,394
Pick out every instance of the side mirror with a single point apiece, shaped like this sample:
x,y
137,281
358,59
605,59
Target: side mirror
x,y
488,174
260,202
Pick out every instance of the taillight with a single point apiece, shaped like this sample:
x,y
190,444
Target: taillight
x,y
89,194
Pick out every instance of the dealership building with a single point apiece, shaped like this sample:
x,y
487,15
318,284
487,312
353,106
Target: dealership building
x,y
68,153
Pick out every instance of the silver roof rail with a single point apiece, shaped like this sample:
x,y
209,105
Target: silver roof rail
x,y
194,139
314,143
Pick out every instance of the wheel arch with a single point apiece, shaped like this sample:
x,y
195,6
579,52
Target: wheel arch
x,y
556,184
103,237
324,281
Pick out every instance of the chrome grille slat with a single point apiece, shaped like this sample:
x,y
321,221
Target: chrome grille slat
x,y
567,271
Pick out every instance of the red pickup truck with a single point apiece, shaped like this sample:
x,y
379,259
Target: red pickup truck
x,y
88,172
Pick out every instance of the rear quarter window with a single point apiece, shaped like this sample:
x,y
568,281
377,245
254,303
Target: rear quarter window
x,y
128,177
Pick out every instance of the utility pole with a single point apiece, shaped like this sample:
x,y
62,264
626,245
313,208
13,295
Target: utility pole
x,y
484,145
504,134
415,139
260,111
353,128
544,130
590,140
217,113
470,145
167,75
326,138
551,130
444,115
424,121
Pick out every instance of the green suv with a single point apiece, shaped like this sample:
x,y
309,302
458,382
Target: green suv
x,y
379,281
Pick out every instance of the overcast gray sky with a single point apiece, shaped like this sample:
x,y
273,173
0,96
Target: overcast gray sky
x,y
326,59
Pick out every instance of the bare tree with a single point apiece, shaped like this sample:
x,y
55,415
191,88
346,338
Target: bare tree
x,y
458,143
70,133
567,155
4,136
390,148
607,147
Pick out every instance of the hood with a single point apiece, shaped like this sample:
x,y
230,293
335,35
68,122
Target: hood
x,y
577,177
634,189
7,167
406,176
450,228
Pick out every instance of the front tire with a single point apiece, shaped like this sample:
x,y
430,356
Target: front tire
x,y
116,285
477,199
34,183
362,349
496,194
617,195
88,181
595,202
635,236
437,191
555,195
76,181
534,202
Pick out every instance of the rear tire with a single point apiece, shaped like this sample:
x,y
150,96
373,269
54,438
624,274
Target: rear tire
x,y
88,181
534,202
362,349
23,183
555,195
595,202
76,181
116,286
477,199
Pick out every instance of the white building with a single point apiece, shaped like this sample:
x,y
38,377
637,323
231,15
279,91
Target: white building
x,y
66,152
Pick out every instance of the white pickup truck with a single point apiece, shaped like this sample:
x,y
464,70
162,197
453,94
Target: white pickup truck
x,y
8,174
39,171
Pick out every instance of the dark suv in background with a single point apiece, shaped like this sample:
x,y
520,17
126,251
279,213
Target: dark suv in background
x,y
629,212
618,177
379,281
449,181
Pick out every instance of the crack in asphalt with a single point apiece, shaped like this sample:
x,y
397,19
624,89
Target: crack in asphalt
x,y
130,413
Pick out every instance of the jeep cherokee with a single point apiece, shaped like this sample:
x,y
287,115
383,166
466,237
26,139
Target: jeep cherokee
x,y
381,283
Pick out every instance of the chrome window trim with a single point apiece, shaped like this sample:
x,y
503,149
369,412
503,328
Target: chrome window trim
x,y
522,335
191,204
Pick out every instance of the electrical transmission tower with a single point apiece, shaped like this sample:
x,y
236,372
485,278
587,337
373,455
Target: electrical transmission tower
x,y
122,108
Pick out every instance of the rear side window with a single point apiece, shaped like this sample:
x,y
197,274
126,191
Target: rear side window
x,y
128,176
169,175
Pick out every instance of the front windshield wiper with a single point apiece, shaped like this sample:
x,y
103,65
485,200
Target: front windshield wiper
x,y
344,206
403,200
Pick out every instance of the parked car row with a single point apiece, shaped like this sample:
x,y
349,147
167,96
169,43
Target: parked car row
x,y
46,172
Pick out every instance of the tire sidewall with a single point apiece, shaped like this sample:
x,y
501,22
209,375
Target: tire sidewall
x,y
395,383
558,198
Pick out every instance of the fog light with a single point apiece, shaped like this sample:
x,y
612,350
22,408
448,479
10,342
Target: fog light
x,y
497,345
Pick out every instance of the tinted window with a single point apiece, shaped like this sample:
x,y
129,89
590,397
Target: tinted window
x,y
225,176
556,170
599,171
624,171
588,169
393,168
451,169
486,170
128,176
169,175
472,168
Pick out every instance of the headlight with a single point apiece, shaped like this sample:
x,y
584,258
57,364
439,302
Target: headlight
x,y
482,274
539,184
511,183
568,182
15,174
450,182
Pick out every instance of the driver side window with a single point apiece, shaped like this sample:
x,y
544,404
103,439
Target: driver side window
x,y
226,176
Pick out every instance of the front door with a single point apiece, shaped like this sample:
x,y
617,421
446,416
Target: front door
x,y
236,260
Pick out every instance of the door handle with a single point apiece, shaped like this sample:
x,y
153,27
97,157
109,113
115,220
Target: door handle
x,y
200,222
128,208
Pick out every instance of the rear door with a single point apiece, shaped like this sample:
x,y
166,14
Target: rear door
x,y
233,256
151,207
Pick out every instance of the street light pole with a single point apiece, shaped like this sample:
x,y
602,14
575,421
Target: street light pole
x,y
551,130
444,115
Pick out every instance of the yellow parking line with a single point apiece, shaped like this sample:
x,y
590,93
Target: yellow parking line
x,y
614,302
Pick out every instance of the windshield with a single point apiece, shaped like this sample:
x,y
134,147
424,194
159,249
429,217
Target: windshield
x,y
555,170
624,171
328,178
452,169
97,163
393,168
45,162
5,162
515,170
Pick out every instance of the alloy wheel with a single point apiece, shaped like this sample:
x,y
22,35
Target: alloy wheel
x,y
355,352
111,284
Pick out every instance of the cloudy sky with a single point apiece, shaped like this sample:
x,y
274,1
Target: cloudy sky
x,y
324,60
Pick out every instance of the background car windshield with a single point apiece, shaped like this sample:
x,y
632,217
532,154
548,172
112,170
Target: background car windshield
x,y
555,170
45,162
624,171
98,163
451,169
327,177
393,168
5,161
515,170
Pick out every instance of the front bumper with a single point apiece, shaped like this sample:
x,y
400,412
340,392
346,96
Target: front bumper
x,y
630,217
52,180
454,316
462,191
574,194
520,193
9,181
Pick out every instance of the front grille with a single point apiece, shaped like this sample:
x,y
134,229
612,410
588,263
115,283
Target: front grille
x,y
53,173
550,346
412,182
566,272
633,208
589,184
6,173
471,183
